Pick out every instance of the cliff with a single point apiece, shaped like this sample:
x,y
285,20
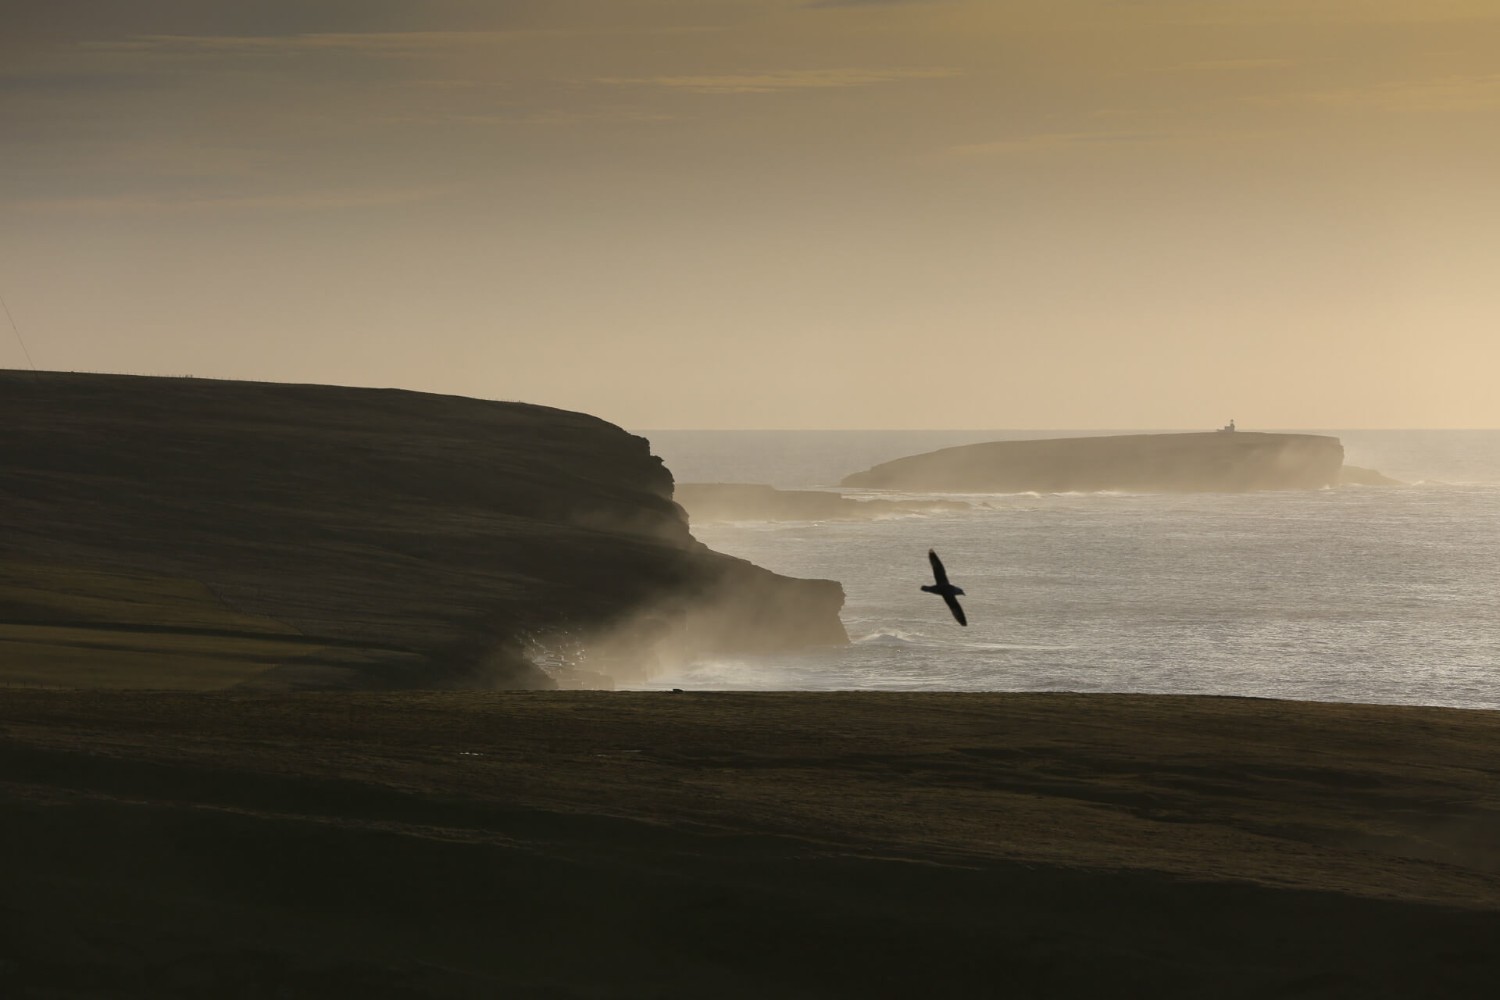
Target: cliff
x,y
1213,462
168,532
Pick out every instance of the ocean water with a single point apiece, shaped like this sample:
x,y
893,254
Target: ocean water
x,y
1357,594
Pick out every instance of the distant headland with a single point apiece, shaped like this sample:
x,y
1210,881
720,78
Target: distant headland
x,y
1226,460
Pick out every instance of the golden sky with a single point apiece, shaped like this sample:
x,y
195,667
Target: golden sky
x,y
772,213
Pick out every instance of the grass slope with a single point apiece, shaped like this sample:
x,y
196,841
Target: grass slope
x,y
745,845
89,628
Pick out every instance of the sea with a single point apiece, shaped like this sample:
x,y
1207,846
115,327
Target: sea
x,y
1374,594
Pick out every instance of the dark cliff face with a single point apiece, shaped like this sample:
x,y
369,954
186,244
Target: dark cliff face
x,y
1214,462
387,538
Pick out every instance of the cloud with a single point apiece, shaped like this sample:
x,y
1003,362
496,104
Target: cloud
x,y
868,3
783,80
85,20
375,43
521,117
1329,12
1039,142
1230,65
1452,94
395,43
189,204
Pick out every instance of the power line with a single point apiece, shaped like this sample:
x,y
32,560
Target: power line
x,y
19,339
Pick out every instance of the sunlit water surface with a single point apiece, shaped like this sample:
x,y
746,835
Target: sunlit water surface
x,y
1368,594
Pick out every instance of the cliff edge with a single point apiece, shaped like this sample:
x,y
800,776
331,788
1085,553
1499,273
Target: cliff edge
x,y
178,532
1219,461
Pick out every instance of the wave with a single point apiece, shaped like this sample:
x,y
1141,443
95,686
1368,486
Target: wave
x,y
893,637
1100,493
904,639
1016,647
726,674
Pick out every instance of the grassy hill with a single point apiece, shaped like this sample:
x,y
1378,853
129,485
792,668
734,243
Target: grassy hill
x,y
579,844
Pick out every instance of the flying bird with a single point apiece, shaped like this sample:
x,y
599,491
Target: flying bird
x,y
946,590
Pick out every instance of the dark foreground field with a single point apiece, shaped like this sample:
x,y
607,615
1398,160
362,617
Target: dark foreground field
x,y
737,845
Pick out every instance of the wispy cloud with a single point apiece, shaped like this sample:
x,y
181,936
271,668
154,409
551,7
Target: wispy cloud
x,y
1039,142
559,116
869,3
783,80
1452,94
1334,12
187,204
378,43
1229,65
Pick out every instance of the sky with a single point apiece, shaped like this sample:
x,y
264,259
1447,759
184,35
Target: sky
x,y
771,213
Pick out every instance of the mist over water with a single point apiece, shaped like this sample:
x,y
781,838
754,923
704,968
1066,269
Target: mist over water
x,y
1368,594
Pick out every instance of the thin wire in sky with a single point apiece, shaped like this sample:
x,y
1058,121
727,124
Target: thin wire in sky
x,y
17,329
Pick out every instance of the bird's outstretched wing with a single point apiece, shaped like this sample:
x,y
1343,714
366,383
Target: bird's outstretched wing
x,y
937,568
954,607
